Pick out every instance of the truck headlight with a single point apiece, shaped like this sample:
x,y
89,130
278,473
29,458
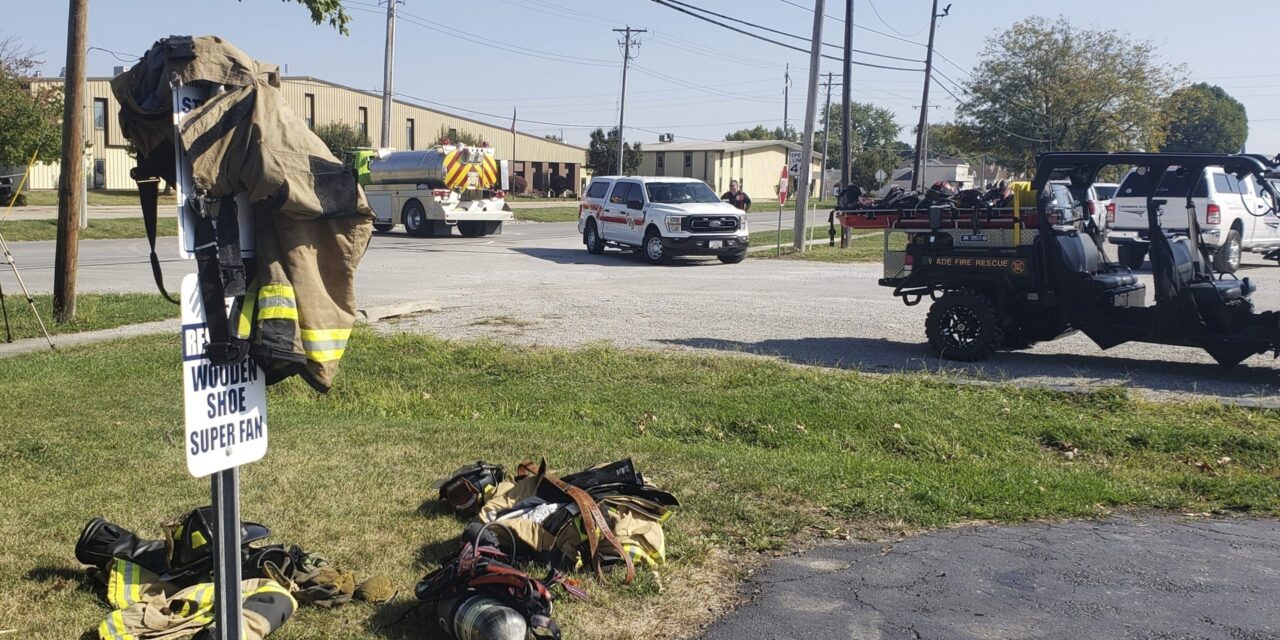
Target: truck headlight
x,y
674,223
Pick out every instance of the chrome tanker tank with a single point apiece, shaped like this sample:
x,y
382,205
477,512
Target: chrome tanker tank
x,y
444,167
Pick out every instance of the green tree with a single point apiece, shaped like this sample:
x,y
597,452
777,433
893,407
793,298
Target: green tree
x,y
341,137
1204,119
457,136
30,115
602,154
873,142
759,132
1042,86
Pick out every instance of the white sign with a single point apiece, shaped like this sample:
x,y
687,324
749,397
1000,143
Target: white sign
x,y
793,162
881,175
226,405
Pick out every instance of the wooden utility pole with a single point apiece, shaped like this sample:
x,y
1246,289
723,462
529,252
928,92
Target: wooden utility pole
x,y
388,65
71,180
922,133
622,104
845,112
810,109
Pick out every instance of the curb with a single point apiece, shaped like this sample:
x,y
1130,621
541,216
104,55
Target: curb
x,y
389,311
61,341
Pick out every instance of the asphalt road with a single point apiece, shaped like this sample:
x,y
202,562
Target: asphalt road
x,y
535,284
1158,578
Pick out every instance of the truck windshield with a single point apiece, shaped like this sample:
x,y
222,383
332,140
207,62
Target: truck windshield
x,y
1173,186
680,192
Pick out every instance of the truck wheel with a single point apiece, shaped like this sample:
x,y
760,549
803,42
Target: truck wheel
x,y
733,258
383,228
1132,255
654,252
471,228
1227,258
591,238
962,325
415,220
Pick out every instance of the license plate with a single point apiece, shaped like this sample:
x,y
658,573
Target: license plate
x,y
714,244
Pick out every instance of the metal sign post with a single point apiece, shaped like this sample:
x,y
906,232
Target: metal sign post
x,y
225,404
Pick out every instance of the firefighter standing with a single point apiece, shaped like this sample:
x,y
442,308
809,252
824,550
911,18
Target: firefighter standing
x,y
737,197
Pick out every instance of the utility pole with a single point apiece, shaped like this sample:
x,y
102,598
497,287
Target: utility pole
x,y
622,104
810,107
922,137
388,62
846,98
71,179
826,142
786,102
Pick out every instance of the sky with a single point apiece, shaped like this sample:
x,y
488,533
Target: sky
x,y
558,62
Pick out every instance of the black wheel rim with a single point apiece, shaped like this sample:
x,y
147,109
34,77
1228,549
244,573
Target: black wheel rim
x,y
961,328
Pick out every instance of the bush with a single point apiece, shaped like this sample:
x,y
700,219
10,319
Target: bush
x,y
519,184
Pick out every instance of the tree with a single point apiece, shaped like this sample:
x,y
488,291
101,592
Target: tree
x,y
329,11
30,117
459,136
1042,86
1204,119
759,132
553,137
602,154
341,137
873,142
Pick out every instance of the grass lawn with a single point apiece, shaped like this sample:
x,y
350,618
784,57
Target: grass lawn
x,y
547,214
105,229
865,249
93,311
764,456
49,198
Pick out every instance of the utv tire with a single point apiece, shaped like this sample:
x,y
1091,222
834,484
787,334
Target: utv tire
x,y
1131,255
652,248
415,220
383,228
962,325
591,238
733,258
1227,258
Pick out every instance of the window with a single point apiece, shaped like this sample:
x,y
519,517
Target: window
x,y
309,109
100,114
1172,186
680,193
363,122
1222,183
598,189
688,159
661,166
621,192
409,134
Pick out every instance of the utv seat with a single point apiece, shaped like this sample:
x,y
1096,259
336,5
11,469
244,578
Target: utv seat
x,y
1207,291
1080,255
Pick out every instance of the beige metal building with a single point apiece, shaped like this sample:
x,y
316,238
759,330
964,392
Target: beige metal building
x,y
755,164
535,158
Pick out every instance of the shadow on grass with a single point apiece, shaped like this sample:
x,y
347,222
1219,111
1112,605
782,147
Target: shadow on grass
x,y
405,619
878,355
60,578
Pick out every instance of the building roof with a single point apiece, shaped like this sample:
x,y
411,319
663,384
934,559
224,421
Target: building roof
x,y
722,145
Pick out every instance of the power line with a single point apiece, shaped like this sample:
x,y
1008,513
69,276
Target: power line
x,y
784,33
885,23
525,51
771,41
958,99
855,26
116,54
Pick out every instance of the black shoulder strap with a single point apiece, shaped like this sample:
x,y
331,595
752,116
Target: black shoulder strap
x,y
148,197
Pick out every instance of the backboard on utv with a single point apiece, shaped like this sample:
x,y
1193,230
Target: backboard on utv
x,y
1007,270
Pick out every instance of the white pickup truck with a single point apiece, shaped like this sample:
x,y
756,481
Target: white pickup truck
x,y
661,217
1234,215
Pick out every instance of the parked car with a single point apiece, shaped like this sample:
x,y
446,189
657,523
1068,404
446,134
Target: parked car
x,y
661,217
1099,199
1230,211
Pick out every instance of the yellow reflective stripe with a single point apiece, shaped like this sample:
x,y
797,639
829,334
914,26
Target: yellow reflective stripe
x,y
281,290
135,583
327,355
277,313
122,584
316,335
113,628
244,325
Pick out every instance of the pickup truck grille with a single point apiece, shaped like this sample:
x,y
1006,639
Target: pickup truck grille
x,y
711,224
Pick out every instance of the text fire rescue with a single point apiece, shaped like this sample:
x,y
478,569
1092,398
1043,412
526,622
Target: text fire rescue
x,y
223,386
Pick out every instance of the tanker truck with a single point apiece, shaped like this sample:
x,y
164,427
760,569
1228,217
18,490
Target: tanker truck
x,y
430,191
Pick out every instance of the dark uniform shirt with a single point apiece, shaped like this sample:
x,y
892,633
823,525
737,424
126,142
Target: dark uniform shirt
x,y
740,199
